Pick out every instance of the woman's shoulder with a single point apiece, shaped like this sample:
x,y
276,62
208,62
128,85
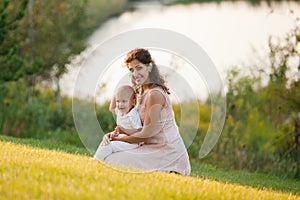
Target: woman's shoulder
x,y
156,92
156,96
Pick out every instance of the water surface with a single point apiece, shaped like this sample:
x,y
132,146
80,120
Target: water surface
x,y
229,32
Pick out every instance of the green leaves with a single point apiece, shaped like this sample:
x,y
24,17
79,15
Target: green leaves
x,y
11,63
261,134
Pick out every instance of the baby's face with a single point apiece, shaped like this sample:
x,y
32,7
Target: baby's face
x,y
124,101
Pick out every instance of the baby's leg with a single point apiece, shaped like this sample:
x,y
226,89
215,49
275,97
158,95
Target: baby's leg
x,y
117,146
114,146
121,135
102,152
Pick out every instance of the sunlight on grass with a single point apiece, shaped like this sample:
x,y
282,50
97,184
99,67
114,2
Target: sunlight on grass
x,y
33,173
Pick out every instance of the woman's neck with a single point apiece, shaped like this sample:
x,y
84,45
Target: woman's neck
x,y
145,87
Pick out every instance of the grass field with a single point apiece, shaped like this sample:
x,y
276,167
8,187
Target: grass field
x,y
29,172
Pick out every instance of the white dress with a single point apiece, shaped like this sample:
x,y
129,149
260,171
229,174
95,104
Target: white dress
x,y
164,151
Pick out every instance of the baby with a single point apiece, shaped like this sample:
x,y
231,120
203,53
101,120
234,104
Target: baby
x,y
123,105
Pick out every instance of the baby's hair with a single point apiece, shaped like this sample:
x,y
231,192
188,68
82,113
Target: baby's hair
x,y
127,88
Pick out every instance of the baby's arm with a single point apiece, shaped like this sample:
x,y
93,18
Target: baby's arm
x,y
152,123
112,106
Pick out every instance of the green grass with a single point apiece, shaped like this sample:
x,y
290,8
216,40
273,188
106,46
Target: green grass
x,y
46,144
256,180
29,172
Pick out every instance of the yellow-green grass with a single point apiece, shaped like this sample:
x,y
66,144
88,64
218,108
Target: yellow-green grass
x,y
33,173
257,180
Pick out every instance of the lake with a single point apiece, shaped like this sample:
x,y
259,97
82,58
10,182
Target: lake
x,y
231,34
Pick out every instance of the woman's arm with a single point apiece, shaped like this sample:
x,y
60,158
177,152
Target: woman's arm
x,y
152,123
129,139
122,130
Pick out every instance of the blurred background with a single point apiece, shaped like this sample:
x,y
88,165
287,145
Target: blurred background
x,y
255,46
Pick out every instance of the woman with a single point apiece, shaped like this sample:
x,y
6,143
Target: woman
x,y
162,147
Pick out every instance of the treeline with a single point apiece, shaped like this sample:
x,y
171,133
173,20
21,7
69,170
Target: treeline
x,y
38,39
262,129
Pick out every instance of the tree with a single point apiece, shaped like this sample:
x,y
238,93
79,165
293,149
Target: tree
x,y
262,129
12,66
52,32
282,94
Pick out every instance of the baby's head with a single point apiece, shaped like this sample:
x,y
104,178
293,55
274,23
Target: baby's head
x,y
125,98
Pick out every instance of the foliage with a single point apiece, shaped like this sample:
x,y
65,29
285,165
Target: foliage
x,y
51,31
283,94
55,31
105,117
49,34
261,131
245,141
39,119
77,177
12,65
39,38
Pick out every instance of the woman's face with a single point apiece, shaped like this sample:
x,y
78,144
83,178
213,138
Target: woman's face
x,y
139,72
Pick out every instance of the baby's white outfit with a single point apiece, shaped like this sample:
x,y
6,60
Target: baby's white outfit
x,y
131,120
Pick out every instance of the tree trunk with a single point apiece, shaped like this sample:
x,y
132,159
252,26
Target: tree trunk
x,y
30,89
57,94
297,147
30,34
